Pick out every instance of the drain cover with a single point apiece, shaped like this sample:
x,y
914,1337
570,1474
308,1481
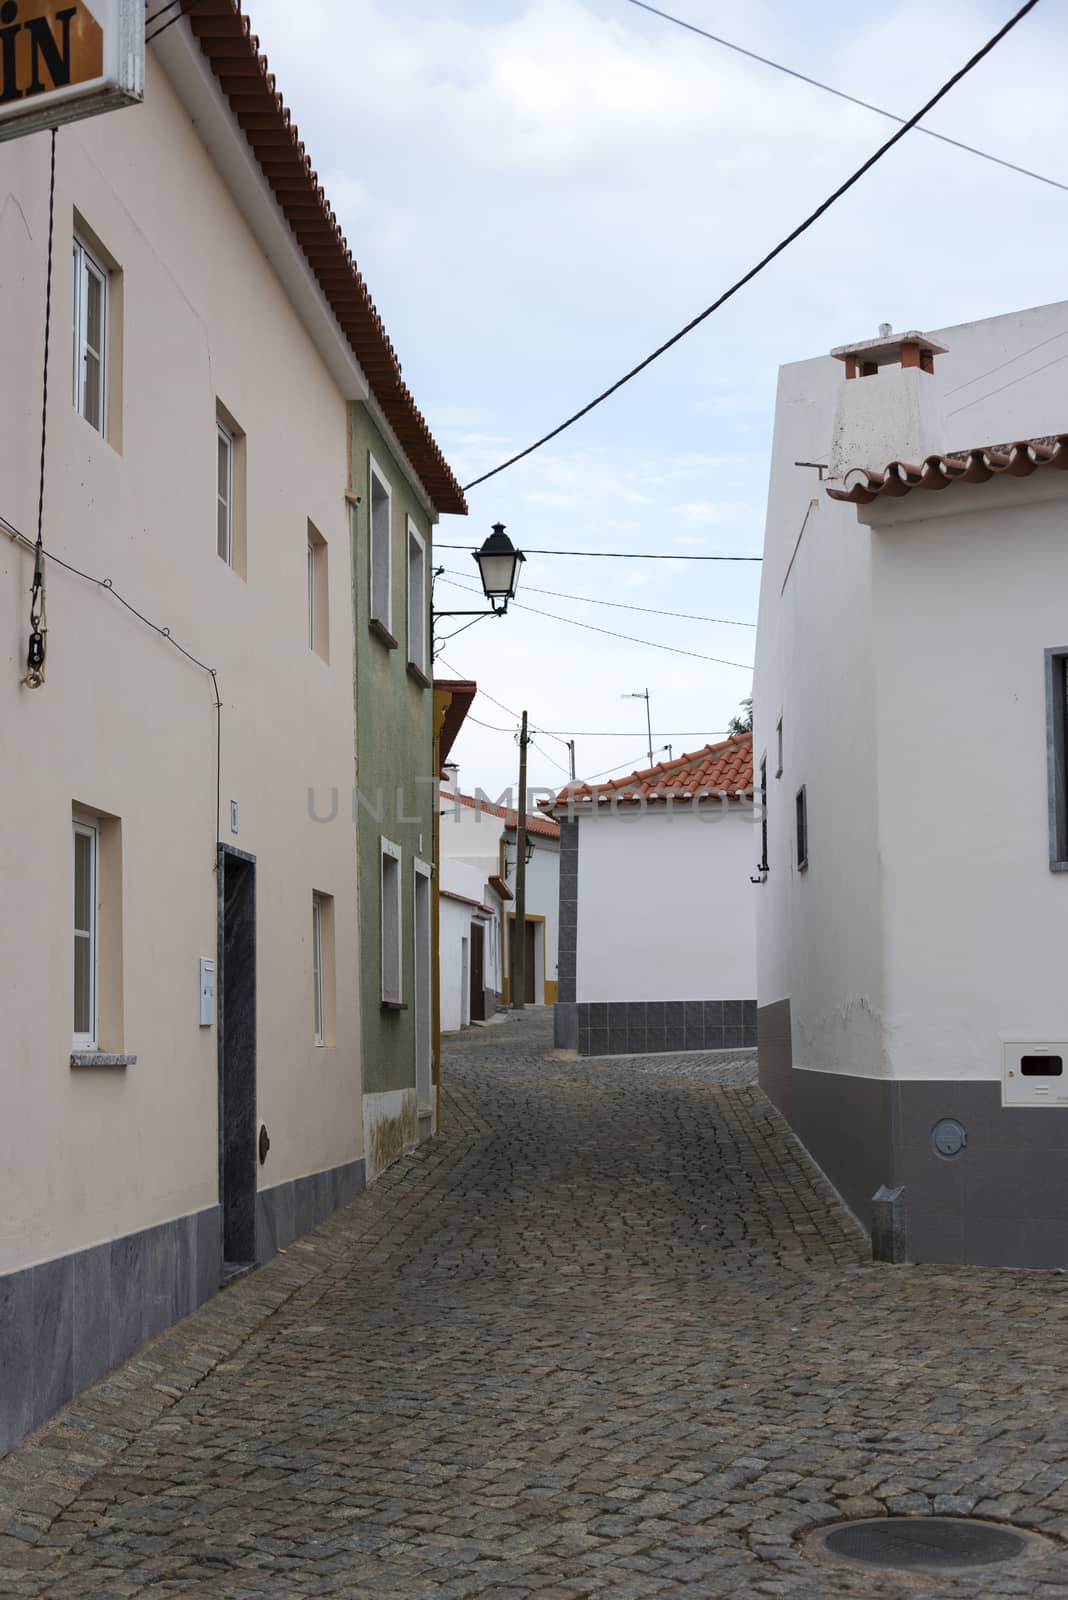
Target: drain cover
x,y
925,1544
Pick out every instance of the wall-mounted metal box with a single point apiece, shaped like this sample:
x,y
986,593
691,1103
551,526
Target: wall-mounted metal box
x,y
1034,1072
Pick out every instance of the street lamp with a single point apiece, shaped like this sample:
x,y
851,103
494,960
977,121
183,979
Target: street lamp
x,y
498,567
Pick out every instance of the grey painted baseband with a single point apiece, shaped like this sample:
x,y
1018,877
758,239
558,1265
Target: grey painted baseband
x,y
653,1027
66,1322
286,1210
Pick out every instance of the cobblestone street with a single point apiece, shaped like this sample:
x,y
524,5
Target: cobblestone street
x,y
610,1335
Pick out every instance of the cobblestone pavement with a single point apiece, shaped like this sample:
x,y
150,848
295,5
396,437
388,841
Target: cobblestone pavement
x,y
610,1335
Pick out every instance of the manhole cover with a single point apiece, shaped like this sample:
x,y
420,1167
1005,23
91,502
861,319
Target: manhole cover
x,y
927,1544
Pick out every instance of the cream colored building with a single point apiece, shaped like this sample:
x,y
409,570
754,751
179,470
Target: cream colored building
x,y
200,384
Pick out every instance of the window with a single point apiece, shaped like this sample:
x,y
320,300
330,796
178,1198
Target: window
x,y
317,965
230,453
85,876
90,337
802,827
416,599
778,744
224,493
380,552
318,594
391,924
1057,748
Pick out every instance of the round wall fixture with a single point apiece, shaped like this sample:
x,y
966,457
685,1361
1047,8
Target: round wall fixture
x,y
948,1137
927,1544
265,1142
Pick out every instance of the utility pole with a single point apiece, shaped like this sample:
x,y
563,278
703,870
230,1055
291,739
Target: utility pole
x,y
648,717
519,925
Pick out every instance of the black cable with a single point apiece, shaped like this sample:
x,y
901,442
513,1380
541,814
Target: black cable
x,y
630,638
620,605
187,7
771,255
47,335
840,94
157,14
604,555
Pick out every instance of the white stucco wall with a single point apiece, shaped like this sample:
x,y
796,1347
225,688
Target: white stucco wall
x,y
907,664
666,910
125,725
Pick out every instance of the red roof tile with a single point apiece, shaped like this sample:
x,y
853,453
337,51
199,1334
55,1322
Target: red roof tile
x,y
544,827
1017,460
724,768
233,53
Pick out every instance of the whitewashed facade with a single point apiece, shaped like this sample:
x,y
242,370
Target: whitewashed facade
x,y
905,684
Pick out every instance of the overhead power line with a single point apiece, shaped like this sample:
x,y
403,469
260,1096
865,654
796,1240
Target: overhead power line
x,y
652,644
621,605
602,555
184,9
840,94
777,250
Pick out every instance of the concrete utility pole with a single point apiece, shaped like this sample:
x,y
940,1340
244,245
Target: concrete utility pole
x,y
519,925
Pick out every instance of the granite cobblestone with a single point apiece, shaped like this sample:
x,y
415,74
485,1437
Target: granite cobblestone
x,y
611,1335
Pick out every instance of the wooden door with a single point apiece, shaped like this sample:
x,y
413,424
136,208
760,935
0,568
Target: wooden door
x,y
532,945
478,987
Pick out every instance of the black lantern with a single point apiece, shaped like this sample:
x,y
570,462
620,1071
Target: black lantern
x,y
498,565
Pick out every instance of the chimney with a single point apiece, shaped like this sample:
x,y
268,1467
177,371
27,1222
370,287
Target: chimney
x,y
889,403
450,778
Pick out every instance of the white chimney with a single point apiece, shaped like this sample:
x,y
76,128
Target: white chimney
x,y
889,404
450,778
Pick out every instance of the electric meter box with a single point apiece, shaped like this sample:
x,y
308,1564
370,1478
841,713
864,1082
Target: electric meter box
x,y
1034,1072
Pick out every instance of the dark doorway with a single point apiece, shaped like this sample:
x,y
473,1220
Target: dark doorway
x,y
478,982
236,1027
532,940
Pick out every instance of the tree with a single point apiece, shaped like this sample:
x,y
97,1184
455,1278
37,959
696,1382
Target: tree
x,y
744,723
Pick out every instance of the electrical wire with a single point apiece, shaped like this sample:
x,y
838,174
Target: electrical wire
x,y
1011,383
989,373
777,250
840,94
37,650
157,14
620,605
653,644
607,771
605,555
187,7
486,695
551,759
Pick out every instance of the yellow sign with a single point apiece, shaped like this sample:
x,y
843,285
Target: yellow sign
x,y
65,59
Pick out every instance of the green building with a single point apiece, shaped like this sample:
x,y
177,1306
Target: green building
x,y
395,496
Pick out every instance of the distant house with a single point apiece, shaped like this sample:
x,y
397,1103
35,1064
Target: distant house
x,y
470,960
475,832
912,723
657,915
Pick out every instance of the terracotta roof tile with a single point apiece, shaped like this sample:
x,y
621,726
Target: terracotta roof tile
x,y
233,53
898,478
724,768
544,827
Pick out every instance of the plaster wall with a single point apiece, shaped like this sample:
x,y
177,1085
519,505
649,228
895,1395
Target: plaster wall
x,y
678,884
125,725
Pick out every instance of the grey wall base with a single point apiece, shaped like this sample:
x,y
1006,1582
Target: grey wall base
x,y
286,1210
1002,1202
64,1323
652,1027
565,1025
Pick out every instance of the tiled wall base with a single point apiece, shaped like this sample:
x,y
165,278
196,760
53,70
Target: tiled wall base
x,y
650,1027
565,1025
64,1323
1001,1202
287,1210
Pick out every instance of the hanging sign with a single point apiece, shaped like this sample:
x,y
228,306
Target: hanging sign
x,y
61,60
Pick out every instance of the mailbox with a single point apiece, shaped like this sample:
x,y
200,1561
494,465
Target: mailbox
x,y
1034,1072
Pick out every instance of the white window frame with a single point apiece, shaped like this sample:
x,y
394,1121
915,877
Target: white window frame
x,y
223,434
317,969
87,266
85,830
393,852
416,613
379,539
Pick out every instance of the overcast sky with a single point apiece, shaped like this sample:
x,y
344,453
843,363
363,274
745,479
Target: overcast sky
x,y
538,192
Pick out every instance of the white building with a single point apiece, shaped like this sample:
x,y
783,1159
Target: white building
x,y
657,907
469,945
478,833
179,968
910,719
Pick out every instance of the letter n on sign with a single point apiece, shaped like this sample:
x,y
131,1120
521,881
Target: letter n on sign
x,y
65,59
